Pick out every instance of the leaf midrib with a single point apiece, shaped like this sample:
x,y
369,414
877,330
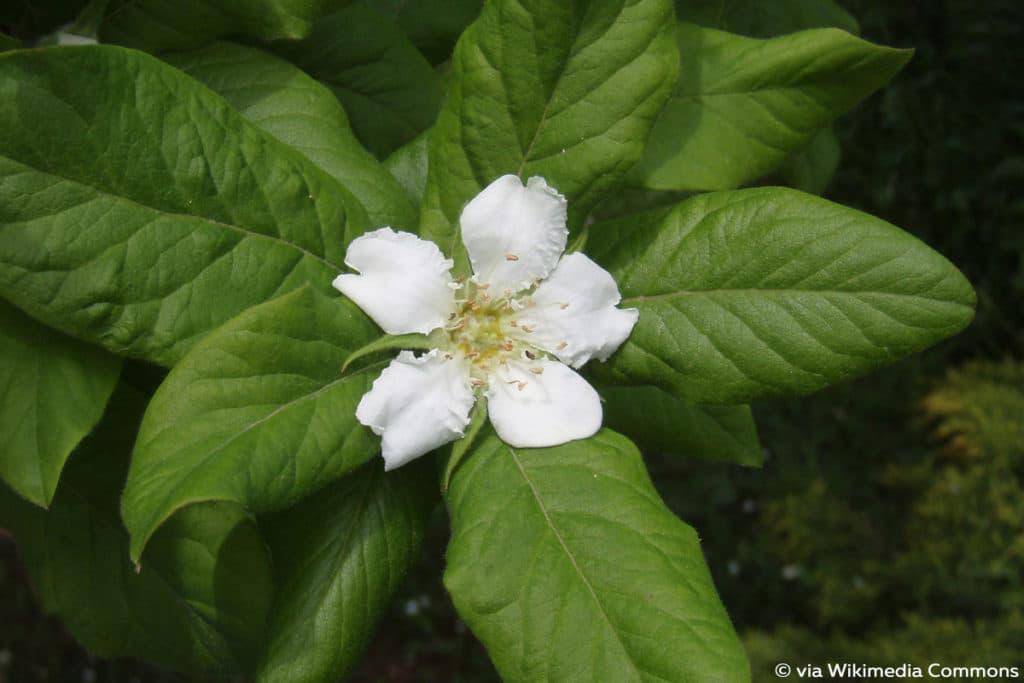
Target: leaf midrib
x,y
572,558
278,239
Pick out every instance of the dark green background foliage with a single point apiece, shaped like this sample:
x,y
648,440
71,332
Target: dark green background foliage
x,y
886,523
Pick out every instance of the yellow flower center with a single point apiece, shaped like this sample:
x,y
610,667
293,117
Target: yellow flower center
x,y
481,332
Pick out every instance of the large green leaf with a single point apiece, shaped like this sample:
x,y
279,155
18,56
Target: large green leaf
x,y
201,598
139,211
340,556
742,105
52,392
657,421
760,19
160,25
769,291
388,89
258,413
297,110
567,565
566,90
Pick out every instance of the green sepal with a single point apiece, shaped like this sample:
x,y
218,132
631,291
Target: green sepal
x,y
389,342
477,420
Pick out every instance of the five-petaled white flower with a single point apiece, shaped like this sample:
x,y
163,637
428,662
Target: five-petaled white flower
x,y
525,306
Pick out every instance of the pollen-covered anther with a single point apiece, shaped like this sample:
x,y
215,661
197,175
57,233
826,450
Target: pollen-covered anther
x,y
537,371
507,345
526,328
511,257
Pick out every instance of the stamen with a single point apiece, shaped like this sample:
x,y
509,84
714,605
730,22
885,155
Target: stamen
x,y
520,385
561,346
531,355
507,345
472,354
526,328
513,323
477,382
507,307
537,371
451,317
511,257
564,306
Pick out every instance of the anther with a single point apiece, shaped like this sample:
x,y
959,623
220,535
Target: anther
x,y
564,306
526,328
485,285
537,371
531,355
451,316
513,323
561,346
507,345
477,382
511,257
520,385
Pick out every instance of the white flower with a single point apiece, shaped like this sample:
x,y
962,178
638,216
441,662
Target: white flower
x,y
511,332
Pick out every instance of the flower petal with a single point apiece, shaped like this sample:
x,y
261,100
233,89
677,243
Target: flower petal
x,y
573,314
514,234
404,282
416,405
530,410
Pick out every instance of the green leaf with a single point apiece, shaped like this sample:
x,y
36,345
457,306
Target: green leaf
x,y
811,168
433,26
199,602
340,556
568,567
741,105
760,19
769,291
566,91
52,392
282,100
139,211
657,421
155,25
388,89
258,414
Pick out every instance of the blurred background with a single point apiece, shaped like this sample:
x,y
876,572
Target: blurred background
x,y
887,524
